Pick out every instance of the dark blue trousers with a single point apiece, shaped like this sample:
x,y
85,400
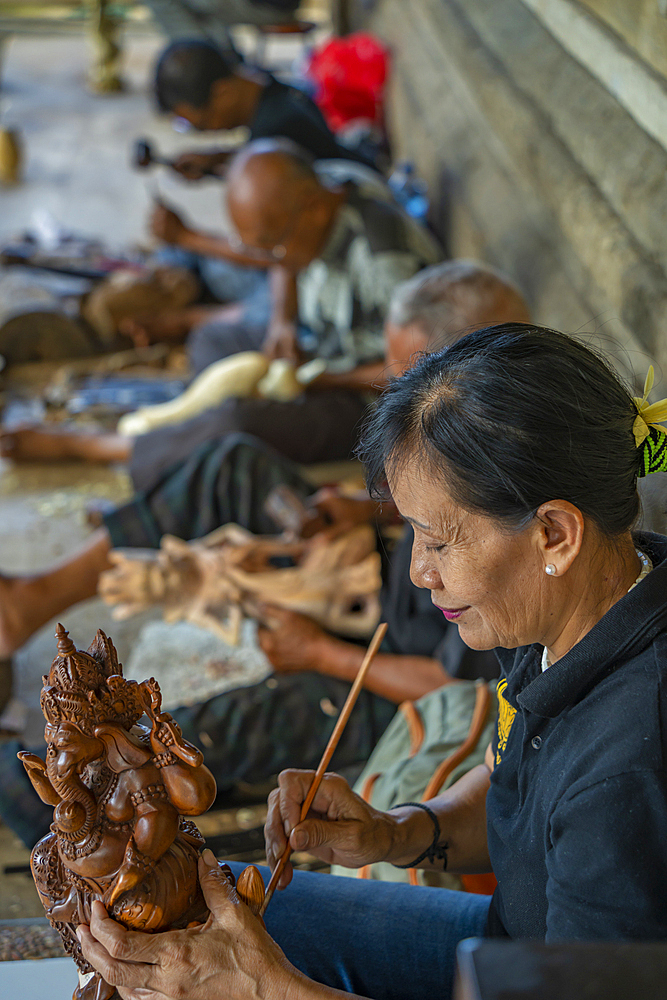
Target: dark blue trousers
x,y
385,940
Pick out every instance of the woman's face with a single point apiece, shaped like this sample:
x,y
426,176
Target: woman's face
x,y
486,579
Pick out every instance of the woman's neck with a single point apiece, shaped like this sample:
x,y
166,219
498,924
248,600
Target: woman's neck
x,y
600,576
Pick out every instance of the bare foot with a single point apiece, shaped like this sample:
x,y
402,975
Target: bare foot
x,y
41,444
15,614
28,602
34,444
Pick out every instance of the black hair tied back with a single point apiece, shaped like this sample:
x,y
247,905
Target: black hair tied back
x,y
510,417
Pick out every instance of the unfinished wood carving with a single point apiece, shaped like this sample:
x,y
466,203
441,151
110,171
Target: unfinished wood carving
x,y
122,793
216,580
248,373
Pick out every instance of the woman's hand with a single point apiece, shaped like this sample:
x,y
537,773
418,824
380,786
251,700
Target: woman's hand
x,y
229,956
290,641
340,828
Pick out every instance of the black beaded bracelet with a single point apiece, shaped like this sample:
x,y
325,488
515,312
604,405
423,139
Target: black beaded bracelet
x,y
433,852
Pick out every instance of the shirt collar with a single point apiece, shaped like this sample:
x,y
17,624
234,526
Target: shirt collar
x,y
627,628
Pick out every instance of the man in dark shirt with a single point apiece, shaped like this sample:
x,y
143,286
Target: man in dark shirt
x,y
195,81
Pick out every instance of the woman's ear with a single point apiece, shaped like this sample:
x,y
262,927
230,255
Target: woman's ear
x,y
561,534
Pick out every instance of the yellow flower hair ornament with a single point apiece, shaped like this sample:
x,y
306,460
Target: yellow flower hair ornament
x,y
650,437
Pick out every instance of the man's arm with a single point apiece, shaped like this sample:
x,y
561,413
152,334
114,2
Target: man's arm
x,y
219,246
294,643
281,339
196,165
394,677
370,377
169,227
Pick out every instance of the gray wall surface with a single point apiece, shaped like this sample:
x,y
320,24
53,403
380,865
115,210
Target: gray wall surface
x,y
536,161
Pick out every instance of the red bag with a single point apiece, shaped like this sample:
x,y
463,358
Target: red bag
x,y
350,74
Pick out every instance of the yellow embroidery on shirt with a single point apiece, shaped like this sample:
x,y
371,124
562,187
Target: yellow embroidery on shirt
x,y
505,719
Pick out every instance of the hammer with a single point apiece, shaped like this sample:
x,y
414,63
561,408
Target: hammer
x,y
144,157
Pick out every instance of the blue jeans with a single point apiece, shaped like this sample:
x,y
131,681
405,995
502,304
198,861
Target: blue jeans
x,y
385,940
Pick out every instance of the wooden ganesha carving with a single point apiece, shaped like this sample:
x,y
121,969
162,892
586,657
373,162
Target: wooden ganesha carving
x,y
122,793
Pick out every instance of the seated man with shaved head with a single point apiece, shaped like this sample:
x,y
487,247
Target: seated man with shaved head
x,y
336,255
196,81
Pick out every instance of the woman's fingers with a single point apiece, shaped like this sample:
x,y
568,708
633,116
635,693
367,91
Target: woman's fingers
x,y
131,946
333,799
218,891
293,788
116,972
313,834
274,836
324,830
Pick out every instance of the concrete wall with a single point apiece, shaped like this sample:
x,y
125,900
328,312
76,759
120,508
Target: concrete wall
x,y
642,24
543,136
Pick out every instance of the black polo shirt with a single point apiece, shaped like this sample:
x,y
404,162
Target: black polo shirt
x,y
577,809
286,111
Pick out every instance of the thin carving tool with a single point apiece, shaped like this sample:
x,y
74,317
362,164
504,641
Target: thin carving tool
x,y
328,754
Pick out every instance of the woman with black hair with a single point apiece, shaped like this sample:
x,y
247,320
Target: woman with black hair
x,y
515,456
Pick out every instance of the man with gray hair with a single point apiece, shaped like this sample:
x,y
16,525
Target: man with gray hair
x,y
448,299
436,306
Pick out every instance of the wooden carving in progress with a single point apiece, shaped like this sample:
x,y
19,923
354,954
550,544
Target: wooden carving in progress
x,y
216,580
248,373
122,793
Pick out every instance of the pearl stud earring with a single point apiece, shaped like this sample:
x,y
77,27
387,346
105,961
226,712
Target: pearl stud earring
x,y
550,569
